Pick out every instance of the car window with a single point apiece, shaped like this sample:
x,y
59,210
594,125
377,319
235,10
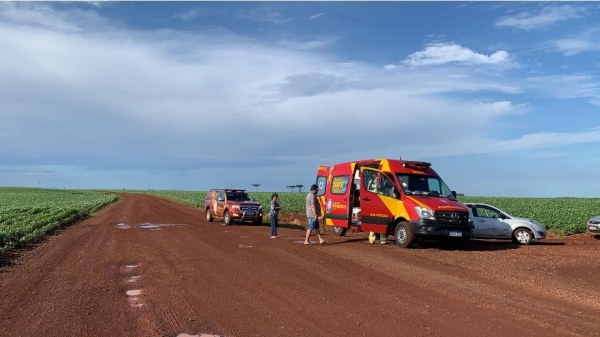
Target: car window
x,y
485,212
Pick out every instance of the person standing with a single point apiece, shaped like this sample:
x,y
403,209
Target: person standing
x,y
273,214
313,212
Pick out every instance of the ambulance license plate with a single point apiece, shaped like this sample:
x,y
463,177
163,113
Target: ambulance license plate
x,y
455,233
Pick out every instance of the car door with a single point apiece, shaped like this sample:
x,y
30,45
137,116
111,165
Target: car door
x,y
220,203
500,225
484,226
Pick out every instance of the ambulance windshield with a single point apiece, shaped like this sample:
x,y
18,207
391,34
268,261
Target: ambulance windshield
x,y
413,184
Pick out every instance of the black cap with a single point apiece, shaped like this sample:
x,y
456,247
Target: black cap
x,y
314,187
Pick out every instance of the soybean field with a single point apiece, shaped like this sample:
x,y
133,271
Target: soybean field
x,y
28,213
562,215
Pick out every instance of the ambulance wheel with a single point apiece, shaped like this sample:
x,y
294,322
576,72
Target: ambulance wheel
x,y
339,231
404,235
209,216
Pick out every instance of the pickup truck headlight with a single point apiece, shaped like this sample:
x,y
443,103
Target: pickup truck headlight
x,y
425,213
235,207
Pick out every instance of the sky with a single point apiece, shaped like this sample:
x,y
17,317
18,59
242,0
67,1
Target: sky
x,y
503,98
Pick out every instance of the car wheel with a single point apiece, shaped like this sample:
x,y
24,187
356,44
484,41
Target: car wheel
x,y
523,236
209,216
226,218
404,235
339,231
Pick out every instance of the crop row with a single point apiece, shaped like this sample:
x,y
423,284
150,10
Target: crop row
x,y
563,215
27,214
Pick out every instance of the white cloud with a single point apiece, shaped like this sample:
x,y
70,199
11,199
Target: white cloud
x,y
548,154
587,40
567,86
263,14
390,66
573,47
103,98
192,13
316,42
547,16
443,53
499,108
318,15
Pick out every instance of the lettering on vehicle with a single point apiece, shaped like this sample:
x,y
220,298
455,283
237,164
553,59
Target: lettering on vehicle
x,y
339,205
379,215
323,168
337,184
449,207
418,172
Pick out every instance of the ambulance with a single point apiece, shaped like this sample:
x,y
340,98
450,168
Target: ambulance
x,y
406,199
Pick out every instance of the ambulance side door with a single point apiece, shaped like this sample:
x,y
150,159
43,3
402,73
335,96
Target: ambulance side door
x,y
376,188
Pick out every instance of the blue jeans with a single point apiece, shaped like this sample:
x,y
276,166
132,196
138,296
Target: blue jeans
x,y
313,223
273,223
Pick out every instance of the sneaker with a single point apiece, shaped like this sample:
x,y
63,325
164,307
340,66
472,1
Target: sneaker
x,y
274,237
383,242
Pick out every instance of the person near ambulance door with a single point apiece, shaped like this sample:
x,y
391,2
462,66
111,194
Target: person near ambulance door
x,y
313,212
273,214
380,185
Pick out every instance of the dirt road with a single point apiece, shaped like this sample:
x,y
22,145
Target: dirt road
x,y
114,276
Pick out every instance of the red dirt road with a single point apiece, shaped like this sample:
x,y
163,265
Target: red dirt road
x,y
196,277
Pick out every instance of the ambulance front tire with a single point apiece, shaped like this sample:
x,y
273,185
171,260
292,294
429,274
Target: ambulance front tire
x,y
339,231
404,235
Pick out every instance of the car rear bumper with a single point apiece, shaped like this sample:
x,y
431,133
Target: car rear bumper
x,y
431,229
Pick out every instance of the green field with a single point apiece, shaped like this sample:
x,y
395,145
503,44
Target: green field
x,y
562,215
29,213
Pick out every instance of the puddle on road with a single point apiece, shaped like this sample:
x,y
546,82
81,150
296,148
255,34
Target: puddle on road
x,y
133,279
133,298
135,292
135,302
123,226
149,226
127,268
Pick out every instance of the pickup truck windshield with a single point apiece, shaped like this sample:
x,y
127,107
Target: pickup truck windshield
x,y
414,184
238,196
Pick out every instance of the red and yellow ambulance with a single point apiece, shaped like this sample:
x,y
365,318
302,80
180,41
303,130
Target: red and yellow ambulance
x,y
407,199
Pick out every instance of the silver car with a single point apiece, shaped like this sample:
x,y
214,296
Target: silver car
x,y
593,226
493,223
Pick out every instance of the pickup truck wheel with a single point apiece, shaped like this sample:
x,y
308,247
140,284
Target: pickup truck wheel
x,y
522,236
226,218
404,235
339,231
209,216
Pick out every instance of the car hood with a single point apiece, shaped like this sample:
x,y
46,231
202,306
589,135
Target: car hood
x,y
527,220
596,218
439,204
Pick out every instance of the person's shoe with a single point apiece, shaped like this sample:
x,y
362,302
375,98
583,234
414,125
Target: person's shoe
x,y
383,242
274,237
